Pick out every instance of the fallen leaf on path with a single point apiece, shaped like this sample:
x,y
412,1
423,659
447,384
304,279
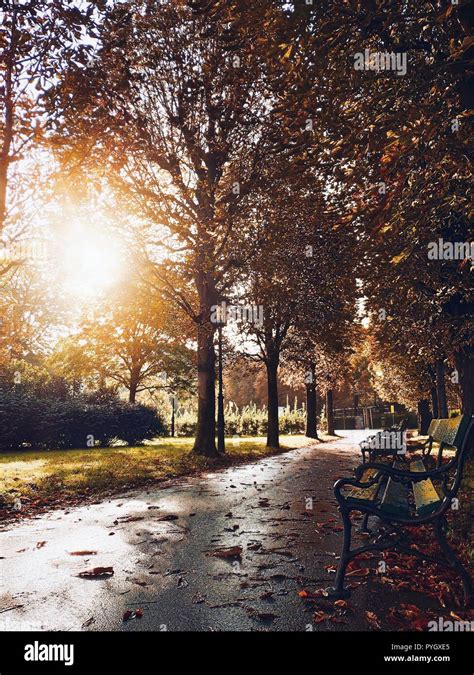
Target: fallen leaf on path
x,y
83,553
128,615
88,622
372,620
319,617
361,572
170,516
320,593
232,552
410,612
408,617
97,572
40,544
254,547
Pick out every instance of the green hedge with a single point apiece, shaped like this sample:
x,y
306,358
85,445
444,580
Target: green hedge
x,y
30,421
250,421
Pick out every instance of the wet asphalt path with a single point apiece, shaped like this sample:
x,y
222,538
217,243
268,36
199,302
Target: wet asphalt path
x,y
160,544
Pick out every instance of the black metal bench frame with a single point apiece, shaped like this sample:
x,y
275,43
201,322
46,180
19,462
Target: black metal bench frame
x,y
374,452
395,535
426,446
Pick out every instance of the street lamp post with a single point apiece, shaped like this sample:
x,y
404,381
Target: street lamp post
x,y
173,414
220,397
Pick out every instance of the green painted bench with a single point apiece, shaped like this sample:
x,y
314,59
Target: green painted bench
x,y
403,497
373,446
426,446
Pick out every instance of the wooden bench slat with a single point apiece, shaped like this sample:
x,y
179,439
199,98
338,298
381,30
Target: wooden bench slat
x,y
365,495
450,431
395,499
426,497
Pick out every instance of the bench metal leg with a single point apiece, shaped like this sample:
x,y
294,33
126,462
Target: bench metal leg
x,y
439,528
365,524
339,591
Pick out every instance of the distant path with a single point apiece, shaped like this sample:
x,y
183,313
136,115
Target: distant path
x,y
165,568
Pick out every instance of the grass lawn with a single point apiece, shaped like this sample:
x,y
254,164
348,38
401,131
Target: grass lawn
x,y
57,477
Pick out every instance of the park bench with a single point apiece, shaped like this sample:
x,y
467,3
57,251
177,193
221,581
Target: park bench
x,y
427,445
403,498
373,446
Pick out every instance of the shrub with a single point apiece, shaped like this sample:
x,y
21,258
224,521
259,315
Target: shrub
x,y
253,421
232,422
292,422
137,423
30,421
186,423
250,421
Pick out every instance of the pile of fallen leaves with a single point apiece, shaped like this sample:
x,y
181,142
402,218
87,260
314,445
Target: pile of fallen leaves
x,y
335,611
440,585
410,573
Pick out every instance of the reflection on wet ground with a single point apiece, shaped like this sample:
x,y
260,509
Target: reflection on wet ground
x,y
169,550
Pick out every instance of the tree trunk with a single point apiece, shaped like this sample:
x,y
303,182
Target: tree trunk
x,y
330,412
311,405
8,121
434,403
273,437
133,386
441,389
205,442
465,367
311,417
424,416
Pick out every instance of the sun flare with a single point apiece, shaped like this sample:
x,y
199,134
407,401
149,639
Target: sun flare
x,y
91,263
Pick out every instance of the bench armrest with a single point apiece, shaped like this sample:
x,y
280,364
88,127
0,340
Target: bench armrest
x,y
415,476
353,482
